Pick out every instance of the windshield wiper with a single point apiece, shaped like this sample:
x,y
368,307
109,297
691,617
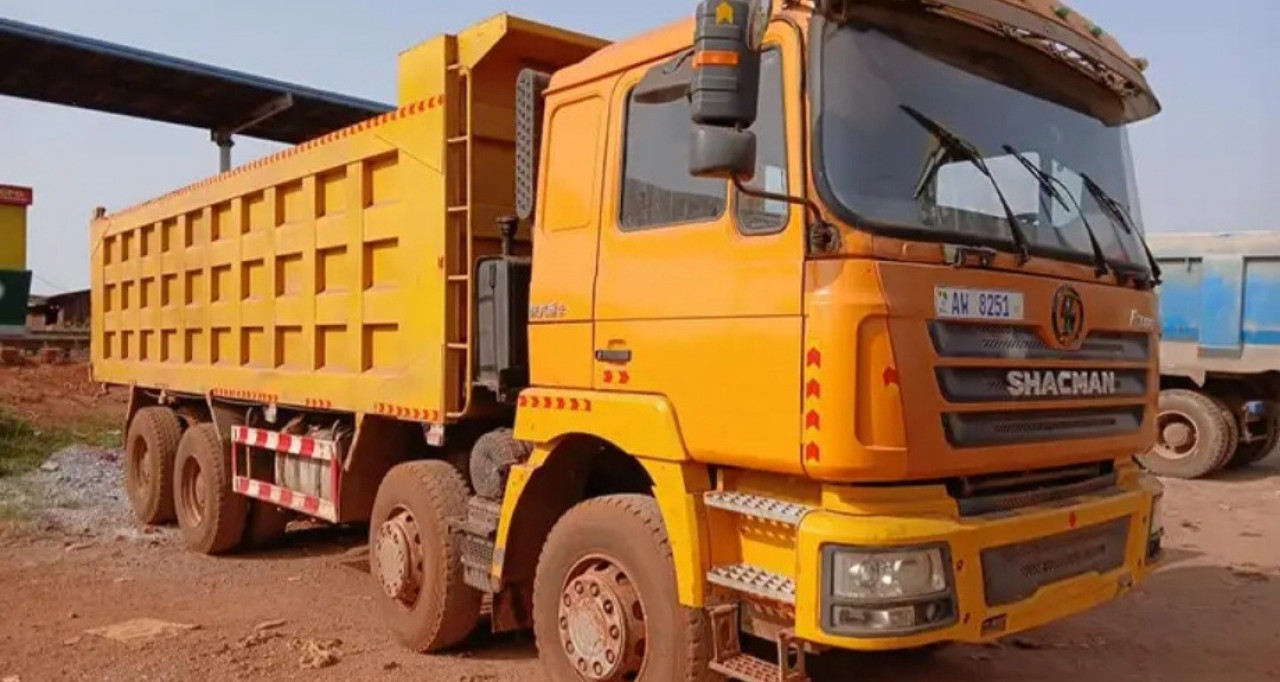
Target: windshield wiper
x,y
1047,184
965,151
1120,214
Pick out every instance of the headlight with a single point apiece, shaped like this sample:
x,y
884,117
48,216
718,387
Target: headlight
x,y
880,576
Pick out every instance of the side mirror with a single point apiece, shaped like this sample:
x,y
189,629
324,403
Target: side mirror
x,y
718,152
726,62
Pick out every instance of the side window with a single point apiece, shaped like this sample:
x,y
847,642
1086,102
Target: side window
x,y
756,215
657,188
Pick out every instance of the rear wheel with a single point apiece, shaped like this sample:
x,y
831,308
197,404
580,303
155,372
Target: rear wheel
x,y
266,524
1258,450
605,605
150,448
417,561
1192,436
211,515
1232,426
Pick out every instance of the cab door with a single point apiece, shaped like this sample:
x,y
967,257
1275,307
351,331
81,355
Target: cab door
x,y
699,288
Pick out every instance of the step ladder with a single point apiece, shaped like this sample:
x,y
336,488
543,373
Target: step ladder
x,y
754,584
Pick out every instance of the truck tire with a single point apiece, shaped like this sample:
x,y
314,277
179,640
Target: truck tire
x,y
1252,453
417,560
1191,436
211,515
266,524
606,578
150,447
491,460
1232,430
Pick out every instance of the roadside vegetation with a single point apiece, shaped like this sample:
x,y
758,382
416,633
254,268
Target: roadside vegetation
x,y
24,444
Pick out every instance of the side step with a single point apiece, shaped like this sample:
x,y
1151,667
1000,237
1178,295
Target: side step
x,y
729,660
757,506
755,582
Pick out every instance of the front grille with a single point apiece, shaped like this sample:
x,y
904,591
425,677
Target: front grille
x,y
961,340
991,384
1015,572
978,429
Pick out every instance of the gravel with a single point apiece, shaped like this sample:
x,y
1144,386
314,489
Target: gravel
x,y
77,491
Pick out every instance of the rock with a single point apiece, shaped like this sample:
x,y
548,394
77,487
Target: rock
x,y
295,578
77,546
269,625
121,581
73,615
1191,525
141,630
390,665
257,638
49,466
1026,644
71,641
320,654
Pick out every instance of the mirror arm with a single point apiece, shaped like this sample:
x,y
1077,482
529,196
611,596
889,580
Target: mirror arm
x,y
821,236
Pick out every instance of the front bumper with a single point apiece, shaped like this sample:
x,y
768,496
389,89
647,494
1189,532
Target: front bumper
x,y
975,618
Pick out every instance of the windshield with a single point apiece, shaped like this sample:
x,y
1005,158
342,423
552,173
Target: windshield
x,y
886,169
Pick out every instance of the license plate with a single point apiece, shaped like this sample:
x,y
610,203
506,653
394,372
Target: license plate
x,y
977,304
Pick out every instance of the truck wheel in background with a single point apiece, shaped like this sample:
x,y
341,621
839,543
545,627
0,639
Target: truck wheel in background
x,y
605,605
266,524
150,447
1232,438
491,460
417,561
1191,436
1258,450
211,515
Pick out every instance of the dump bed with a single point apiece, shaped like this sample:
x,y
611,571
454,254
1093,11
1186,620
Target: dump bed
x,y
1218,307
336,274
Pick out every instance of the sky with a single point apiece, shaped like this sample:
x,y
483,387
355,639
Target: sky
x,y
1205,164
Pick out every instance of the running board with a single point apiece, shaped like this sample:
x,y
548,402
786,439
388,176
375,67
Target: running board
x,y
757,506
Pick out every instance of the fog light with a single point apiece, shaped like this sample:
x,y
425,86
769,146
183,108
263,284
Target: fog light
x,y
854,618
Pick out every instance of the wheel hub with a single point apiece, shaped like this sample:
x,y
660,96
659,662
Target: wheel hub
x,y
1177,435
601,622
395,559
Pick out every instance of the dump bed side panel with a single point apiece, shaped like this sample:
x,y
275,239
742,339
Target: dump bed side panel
x,y
312,278
1217,306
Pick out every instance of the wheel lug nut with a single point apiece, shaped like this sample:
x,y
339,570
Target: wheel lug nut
x,y
597,668
614,633
577,587
595,590
564,623
582,664
610,657
608,607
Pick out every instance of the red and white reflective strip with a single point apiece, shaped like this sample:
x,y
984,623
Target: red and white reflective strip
x,y
301,446
307,504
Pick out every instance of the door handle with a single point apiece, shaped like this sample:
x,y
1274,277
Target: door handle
x,y
614,355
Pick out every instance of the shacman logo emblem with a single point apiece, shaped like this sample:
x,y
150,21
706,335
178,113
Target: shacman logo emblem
x,y
1068,316
724,13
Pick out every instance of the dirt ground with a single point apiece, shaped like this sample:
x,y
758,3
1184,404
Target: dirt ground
x,y
304,611
51,395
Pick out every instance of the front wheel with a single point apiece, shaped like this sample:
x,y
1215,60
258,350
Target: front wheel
x,y
605,604
417,561
1192,436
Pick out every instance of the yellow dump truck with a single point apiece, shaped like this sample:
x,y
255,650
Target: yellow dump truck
x,y
828,323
